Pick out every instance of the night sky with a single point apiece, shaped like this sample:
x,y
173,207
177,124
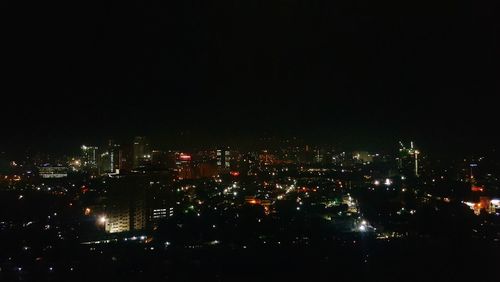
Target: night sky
x,y
362,72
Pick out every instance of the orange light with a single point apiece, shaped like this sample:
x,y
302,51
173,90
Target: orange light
x,y
267,211
477,189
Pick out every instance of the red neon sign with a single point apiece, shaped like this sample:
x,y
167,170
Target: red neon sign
x,y
183,157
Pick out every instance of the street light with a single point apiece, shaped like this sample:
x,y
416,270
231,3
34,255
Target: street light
x,y
102,219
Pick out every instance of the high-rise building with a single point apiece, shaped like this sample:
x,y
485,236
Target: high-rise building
x,y
89,157
126,159
117,219
142,154
139,215
125,205
105,163
114,156
184,166
110,159
224,159
158,211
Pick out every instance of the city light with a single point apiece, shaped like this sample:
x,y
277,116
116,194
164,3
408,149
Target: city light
x,y
291,198
102,219
184,157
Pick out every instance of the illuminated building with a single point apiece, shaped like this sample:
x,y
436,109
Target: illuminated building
x,y
338,158
184,166
48,171
351,203
75,164
110,159
114,156
494,206
322,155
485,204
408,162
189,168
105,163
124,216
89,156
158,209
159,213
141,152
125,204
224,159
362,157
117,219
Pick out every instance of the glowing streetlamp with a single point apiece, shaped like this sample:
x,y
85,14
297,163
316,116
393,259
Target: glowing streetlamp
x,y
102,219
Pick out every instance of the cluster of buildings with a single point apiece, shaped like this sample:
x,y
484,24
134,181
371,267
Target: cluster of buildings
x,y
145,186
139,157
133,186
281,197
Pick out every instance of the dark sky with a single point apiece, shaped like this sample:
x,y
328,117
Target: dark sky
x,y
365,72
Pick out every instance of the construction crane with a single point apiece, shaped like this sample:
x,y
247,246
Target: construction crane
x,y
411,152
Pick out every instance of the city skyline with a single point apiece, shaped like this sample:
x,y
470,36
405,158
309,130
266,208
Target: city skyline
x,y
192,142
262,140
